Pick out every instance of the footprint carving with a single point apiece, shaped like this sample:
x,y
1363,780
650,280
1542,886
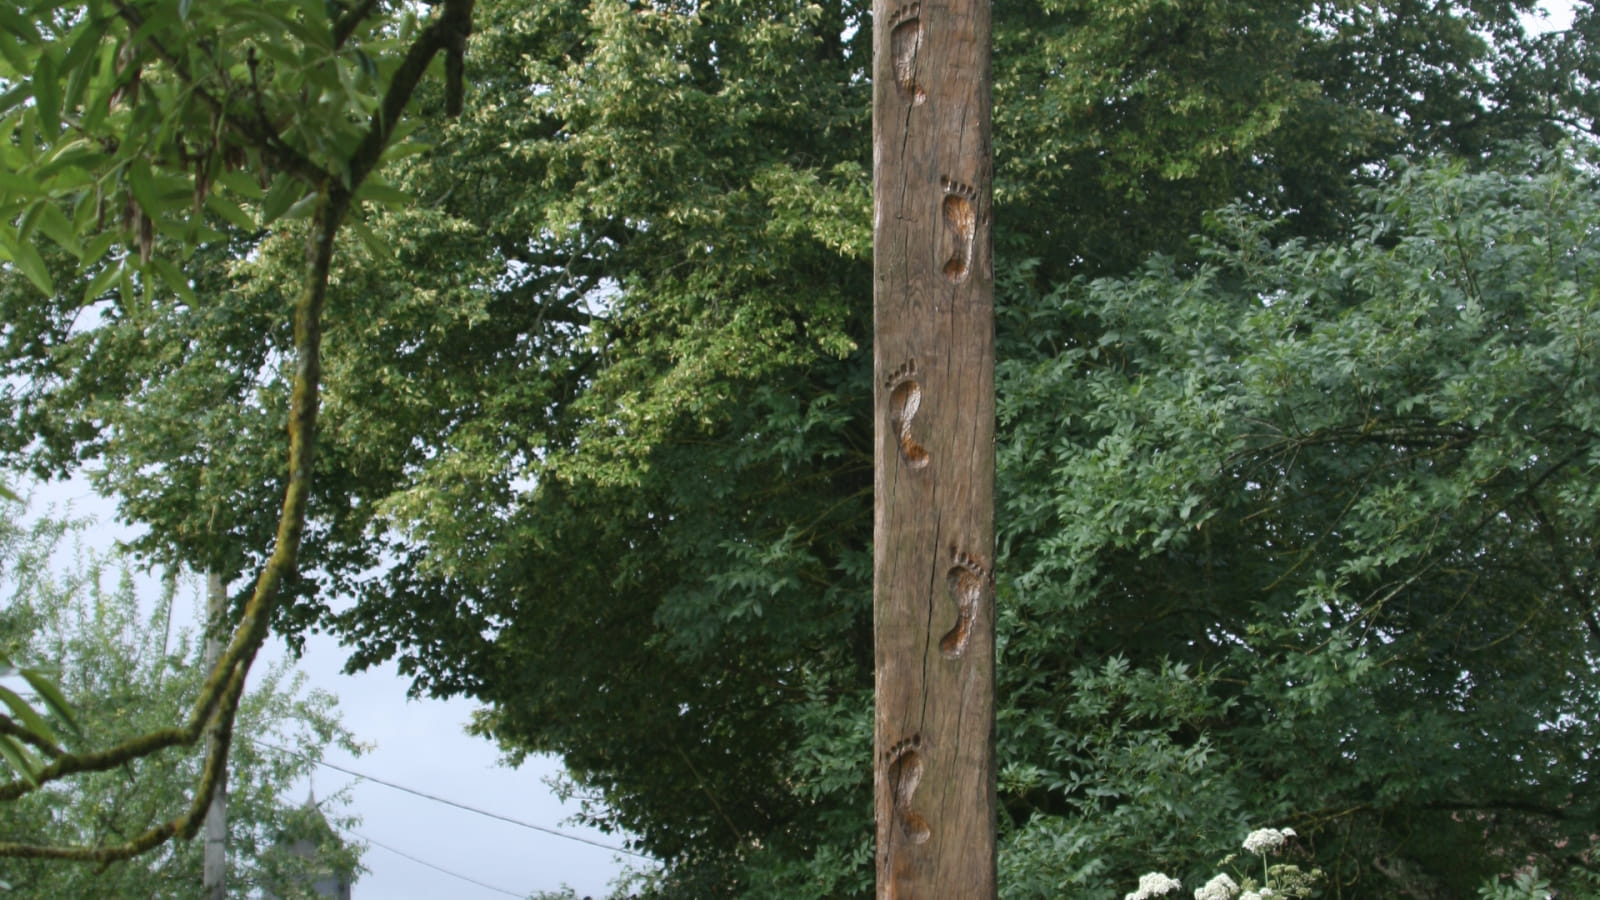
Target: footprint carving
x,y
968,580
905,773
905,37
905,398
961,218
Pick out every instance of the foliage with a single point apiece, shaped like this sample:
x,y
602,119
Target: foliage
x,y
1526,885
1353,483
127,670
130,120
24,732
596,442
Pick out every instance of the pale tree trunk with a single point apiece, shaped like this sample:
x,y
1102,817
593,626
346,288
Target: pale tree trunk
x,y
214,868
933,349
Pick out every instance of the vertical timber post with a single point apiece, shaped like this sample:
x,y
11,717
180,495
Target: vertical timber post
x,y
933,357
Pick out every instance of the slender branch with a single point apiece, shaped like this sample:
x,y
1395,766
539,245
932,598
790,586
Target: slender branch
x,y
38,742
350,21
453,22
219,696
263,135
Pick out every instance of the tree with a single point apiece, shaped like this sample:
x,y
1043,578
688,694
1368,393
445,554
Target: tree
x,y
131,121
686,489
127,670
1327,518
603,406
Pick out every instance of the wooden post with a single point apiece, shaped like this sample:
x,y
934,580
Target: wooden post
x,y
933,351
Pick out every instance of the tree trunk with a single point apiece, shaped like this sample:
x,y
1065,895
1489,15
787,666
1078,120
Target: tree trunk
x,y
933,350
214,867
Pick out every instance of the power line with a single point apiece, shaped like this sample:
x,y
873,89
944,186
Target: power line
x,y
448,802
436,868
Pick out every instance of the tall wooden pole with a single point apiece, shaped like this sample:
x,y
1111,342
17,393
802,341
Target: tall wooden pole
x,y
933,351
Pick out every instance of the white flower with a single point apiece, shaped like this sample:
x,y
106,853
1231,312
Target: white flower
x,y
1153,885
1219,888
1265,840
1264,894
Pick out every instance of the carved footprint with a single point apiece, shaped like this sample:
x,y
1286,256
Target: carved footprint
x,y
905,398
968,580
905,773
961,217
905,37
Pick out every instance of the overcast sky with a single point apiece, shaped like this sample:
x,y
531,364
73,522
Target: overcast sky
x,y
421,745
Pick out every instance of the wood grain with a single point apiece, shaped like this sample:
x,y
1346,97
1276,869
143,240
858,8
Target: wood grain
x,y
933,349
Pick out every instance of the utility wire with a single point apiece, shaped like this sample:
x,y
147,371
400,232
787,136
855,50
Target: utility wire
x,y
436,868
448,802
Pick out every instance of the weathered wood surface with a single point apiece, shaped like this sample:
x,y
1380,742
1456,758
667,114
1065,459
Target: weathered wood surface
x,y
934,770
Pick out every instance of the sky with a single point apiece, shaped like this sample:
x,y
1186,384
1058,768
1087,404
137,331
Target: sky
x,y
422,745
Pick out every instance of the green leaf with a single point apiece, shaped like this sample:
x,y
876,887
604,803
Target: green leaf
x,y
30,219
375,246
15,185
402,149
242,183
80,62
52,698
174,278
29,262
24,712
230,212
14,23
15,56
67,154
285,191
20,758
54,225
98,246
376,190
101,282
147,190
14,96
47,96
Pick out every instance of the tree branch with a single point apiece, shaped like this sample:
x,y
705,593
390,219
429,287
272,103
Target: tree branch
x,y
219,696
266,138
38,742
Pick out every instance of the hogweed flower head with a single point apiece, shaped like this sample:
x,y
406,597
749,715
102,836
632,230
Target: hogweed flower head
x,y
1265,840
1154,884
1219,888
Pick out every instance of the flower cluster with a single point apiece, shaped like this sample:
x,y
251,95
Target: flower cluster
x,y
1280,882
1153,885
1265,840
1219,888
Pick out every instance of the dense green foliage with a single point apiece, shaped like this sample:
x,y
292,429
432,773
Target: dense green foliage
x,y
1295,519
126,669
1344,496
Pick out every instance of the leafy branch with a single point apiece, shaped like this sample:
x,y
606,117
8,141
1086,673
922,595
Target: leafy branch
x,y
335,185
